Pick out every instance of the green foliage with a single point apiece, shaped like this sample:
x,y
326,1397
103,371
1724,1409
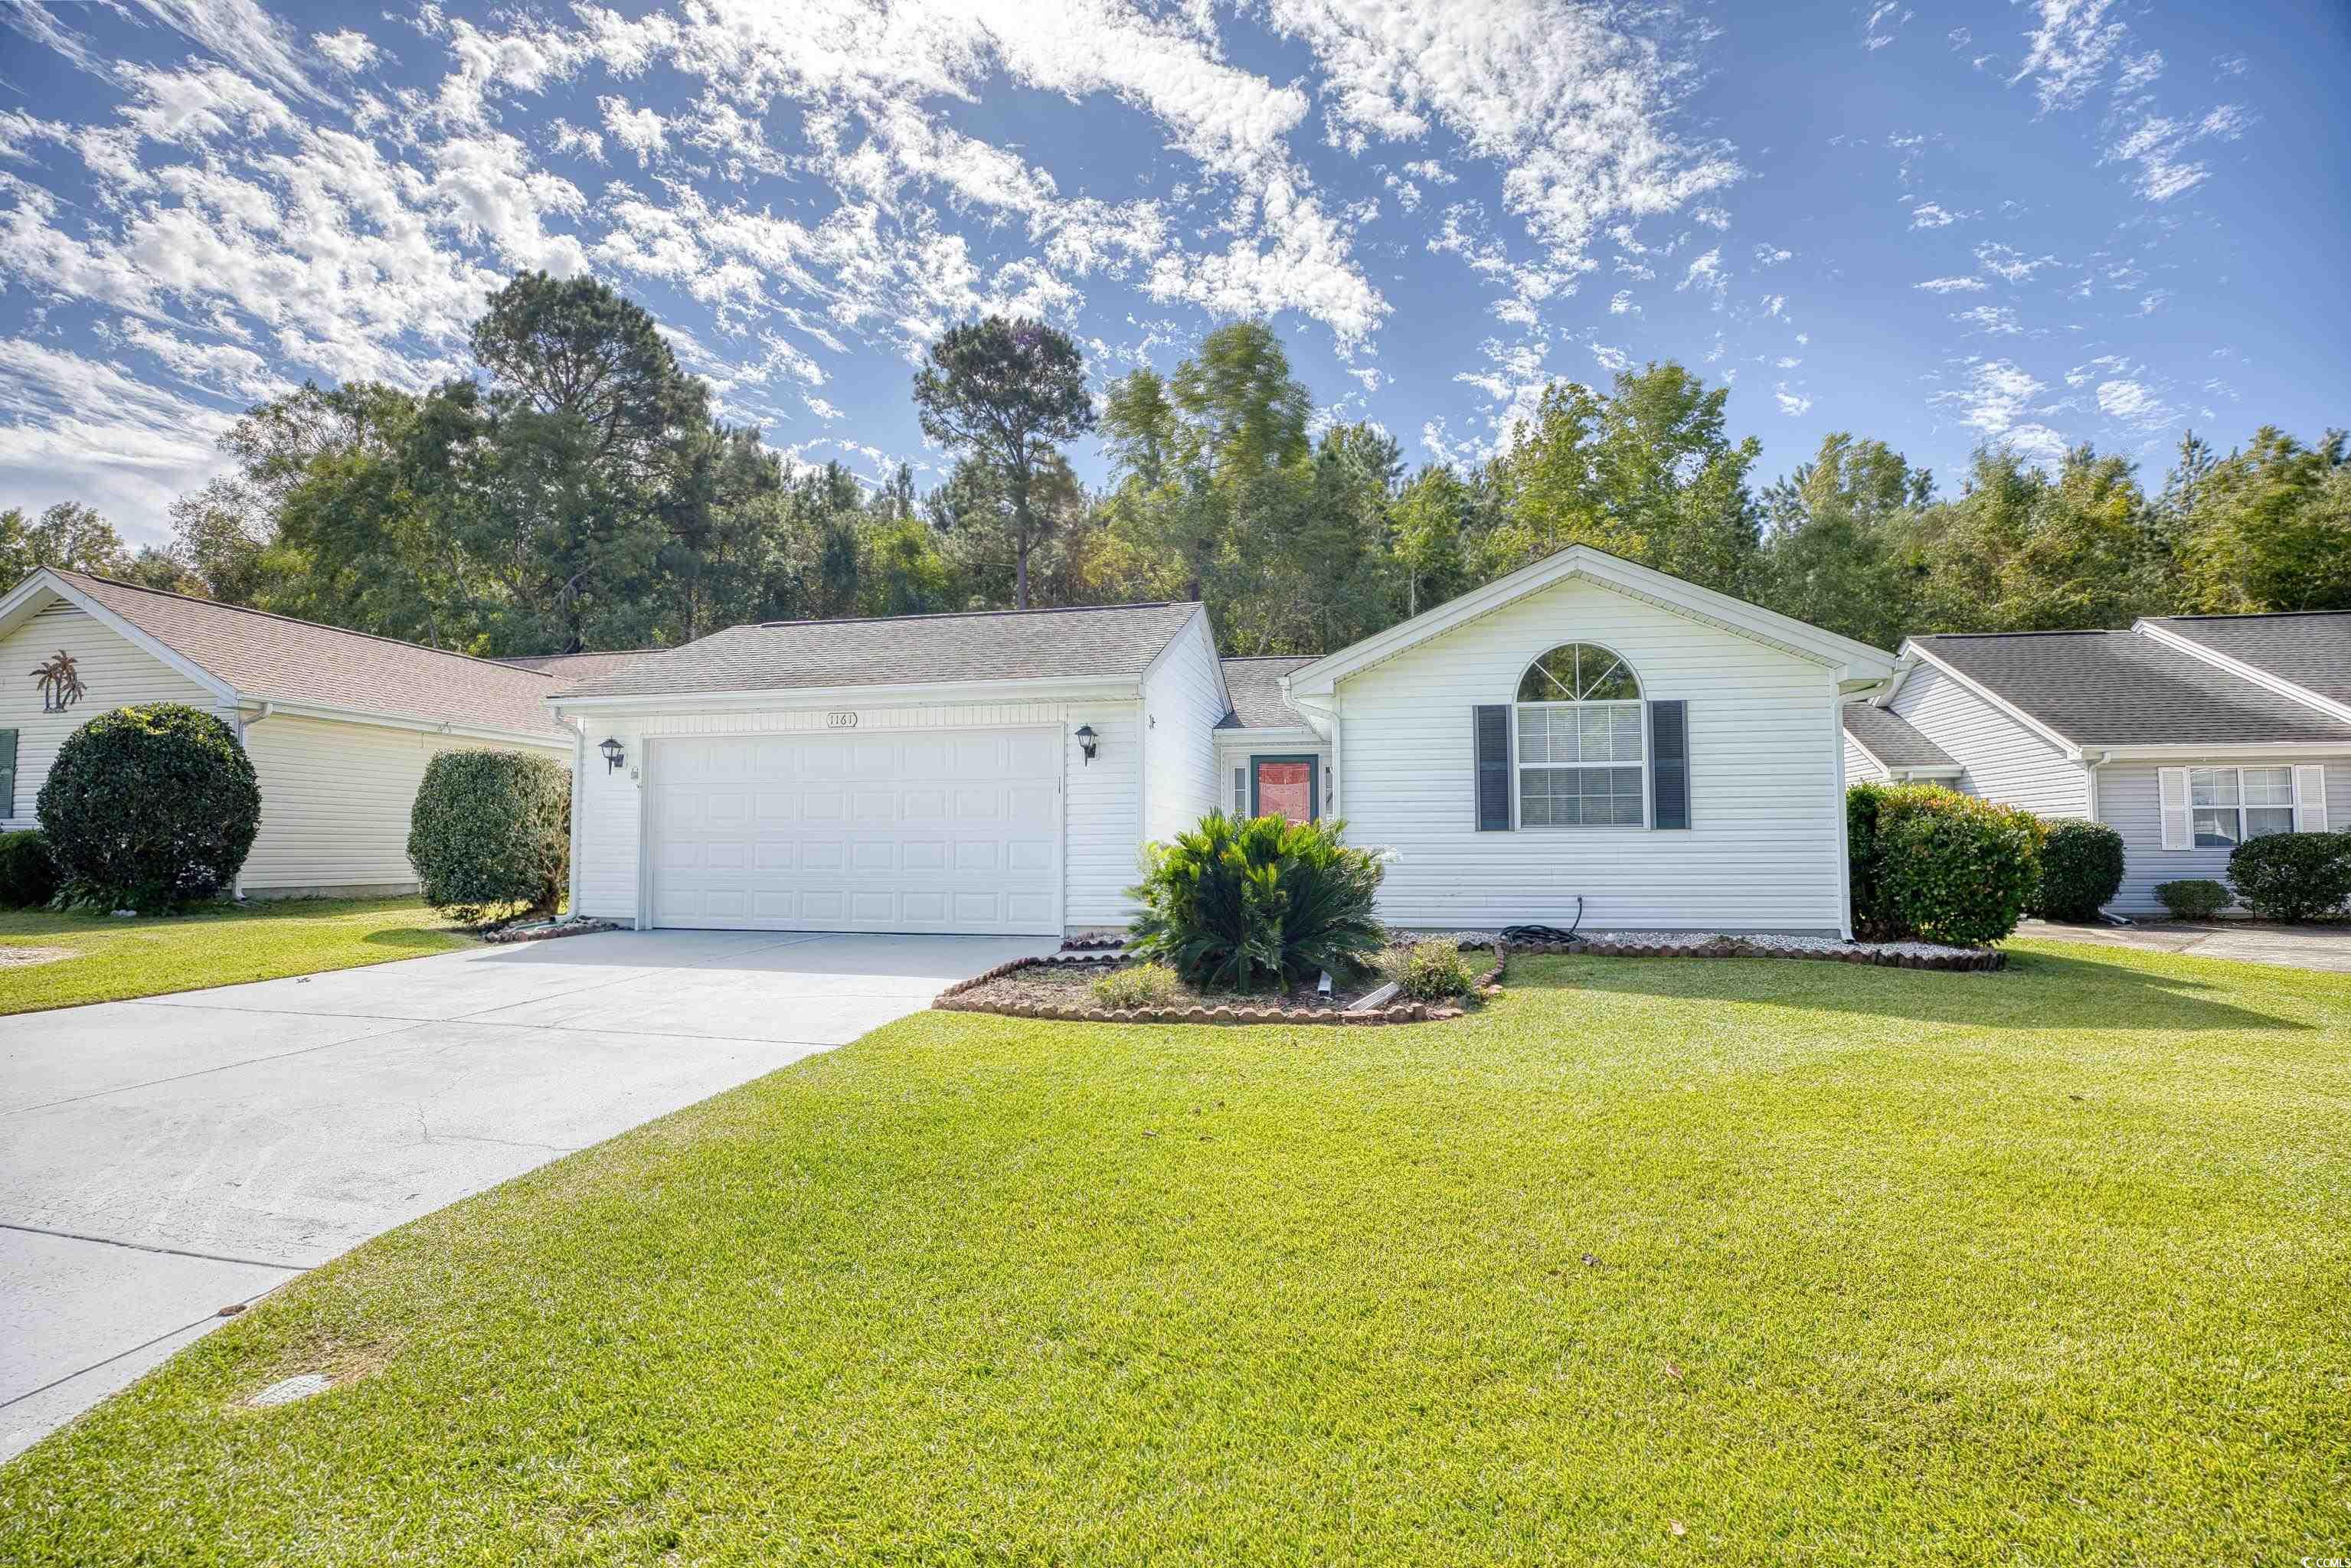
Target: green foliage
x,y
490,836
1236,906
2192,898
28,871
1931,863
1131,985
150,808
2081,870
2293,876
1433,971
68,535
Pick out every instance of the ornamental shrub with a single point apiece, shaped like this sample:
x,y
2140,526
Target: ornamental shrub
x,y
1433,971
2081,870
490,836
150,808
1133,985
2293,876
2192,898
28,873
1235,905
1932,863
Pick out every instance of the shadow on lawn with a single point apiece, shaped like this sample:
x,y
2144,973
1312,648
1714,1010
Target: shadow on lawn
x,y
427,938
2036,991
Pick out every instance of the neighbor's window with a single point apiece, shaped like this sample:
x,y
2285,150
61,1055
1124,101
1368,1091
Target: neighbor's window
x,y
1582,745
2229,805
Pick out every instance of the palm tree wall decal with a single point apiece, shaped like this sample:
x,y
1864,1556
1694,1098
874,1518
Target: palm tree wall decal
x,y
60,684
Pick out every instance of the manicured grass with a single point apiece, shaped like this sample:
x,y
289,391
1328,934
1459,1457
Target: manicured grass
x,y
264,940
1753,1262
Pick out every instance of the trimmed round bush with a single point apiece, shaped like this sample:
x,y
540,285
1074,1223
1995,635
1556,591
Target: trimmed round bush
x,y
2293,876
150,808
1433,971
2081,870
1132,986
2192,898
28,873
1934,864
490,836
1234,905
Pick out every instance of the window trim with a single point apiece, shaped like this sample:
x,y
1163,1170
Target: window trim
x,y
2241,807
1313,761
1638,702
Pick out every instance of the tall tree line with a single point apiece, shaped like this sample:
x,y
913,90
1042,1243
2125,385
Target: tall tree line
x,y
576,492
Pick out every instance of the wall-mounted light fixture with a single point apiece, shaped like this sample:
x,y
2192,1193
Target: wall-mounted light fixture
x,y
614,755
1088,740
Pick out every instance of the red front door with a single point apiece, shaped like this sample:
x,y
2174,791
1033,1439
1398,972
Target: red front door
x,y
1285,788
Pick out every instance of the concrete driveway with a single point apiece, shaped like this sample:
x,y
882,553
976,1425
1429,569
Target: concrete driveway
x,y
161,1159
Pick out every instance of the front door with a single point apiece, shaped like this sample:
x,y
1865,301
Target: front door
x,y
1288,787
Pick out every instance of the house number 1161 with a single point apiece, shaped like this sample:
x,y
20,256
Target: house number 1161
x,y
840,721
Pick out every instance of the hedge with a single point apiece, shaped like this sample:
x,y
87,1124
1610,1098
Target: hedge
x,y
150,808
1932,864
2192,898
2293,876
490,835
2081,870
28,873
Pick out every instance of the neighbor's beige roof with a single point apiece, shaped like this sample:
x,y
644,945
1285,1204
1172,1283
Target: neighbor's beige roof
x,y
566,668
273,657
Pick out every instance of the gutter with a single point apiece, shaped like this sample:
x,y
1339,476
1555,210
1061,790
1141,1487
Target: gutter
x,y
268,710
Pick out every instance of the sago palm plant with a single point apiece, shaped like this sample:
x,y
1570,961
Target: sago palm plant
x,y
1249,906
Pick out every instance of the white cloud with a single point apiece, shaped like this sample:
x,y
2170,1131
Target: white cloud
x,y
77,430
1999,320
1621,303
1790,404
1706,273
1770,255
1883,24
1951,285
1993,397
2010,264
2068,53
349,51
1774,304
1929,216
1614,360
640,129
2136,405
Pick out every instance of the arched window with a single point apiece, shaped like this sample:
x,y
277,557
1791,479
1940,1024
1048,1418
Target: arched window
x,y
1583,749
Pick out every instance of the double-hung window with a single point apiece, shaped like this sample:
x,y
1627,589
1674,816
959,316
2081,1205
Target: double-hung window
x,y
2226,806
1583,743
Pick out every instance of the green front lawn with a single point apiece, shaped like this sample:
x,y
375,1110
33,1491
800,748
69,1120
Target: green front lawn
x,y
118,958
1757,1262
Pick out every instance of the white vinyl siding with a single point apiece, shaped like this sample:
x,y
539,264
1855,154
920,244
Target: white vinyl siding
x,y
1767,818
2004,761
115,672
2130,801
1860,767
1100,810
335,801
1182,703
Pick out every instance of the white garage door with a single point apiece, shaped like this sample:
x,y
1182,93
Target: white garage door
x,y
924,831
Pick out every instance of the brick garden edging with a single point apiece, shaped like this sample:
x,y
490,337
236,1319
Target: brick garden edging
x,y
1884,955
952,1000
549,933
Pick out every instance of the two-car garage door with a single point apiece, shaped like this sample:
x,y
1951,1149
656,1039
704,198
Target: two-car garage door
x,y
919,830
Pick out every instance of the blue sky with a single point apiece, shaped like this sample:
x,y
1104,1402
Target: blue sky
x,y
2038,222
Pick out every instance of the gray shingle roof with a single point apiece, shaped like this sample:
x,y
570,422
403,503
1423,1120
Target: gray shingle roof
x,y
1111,642
2312,650
273,657
1255,686
1888,736
2120,688
566,668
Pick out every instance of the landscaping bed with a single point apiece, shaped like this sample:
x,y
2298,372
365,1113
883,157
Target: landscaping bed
x,y
1063,988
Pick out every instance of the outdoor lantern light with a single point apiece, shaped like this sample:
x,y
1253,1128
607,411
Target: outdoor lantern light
x,y
1088,740
613,757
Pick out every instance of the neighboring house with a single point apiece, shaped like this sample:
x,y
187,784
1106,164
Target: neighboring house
x,y
339,725
2186,733
1585,729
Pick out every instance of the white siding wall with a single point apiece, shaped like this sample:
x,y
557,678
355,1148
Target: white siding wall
x,y
1763,851
1860,767
335,801
1101,812
2004,761
1181,704
2128,803
1234,749
117,674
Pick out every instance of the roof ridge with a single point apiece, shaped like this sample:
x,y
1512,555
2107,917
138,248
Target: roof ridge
x,y
297,621
2081,632
1262,658
965,614
2250,615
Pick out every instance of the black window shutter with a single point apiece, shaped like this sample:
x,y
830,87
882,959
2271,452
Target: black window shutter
x,y
7,774
1668,765
1493,734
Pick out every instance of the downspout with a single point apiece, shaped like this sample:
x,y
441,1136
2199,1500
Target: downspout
x,y
578,787
1844,834
237,882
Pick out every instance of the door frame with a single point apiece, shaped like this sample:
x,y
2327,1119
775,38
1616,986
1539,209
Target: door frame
x,y
1313,779
646,825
